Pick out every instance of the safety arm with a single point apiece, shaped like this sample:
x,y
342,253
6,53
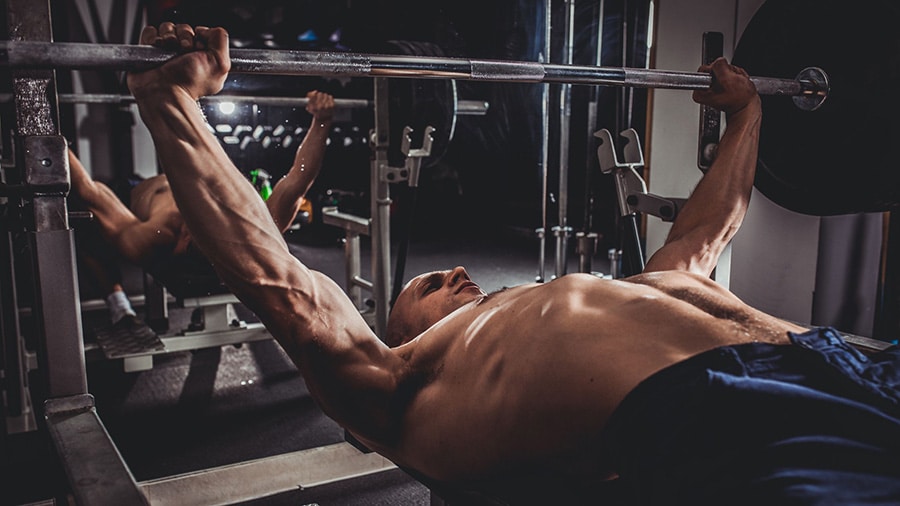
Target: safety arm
x,y
347,368
289,191
716,208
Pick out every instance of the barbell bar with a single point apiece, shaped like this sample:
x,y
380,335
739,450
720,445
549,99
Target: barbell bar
x,y
809,89
113,98
464,107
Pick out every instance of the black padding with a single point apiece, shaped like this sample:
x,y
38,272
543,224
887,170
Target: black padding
x,y
187,275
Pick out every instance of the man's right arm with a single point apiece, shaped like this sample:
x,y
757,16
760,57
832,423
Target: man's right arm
x,y
349,371
716,208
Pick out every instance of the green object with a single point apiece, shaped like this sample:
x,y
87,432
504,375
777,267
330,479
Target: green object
x,y
266,190
262,181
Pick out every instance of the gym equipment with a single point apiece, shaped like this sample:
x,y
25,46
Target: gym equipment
x,y
843,158
631,189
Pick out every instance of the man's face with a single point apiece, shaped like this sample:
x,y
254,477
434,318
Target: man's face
x,y
428,298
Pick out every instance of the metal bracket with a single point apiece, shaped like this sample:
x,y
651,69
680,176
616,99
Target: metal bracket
x,y
46,164
710,118
664,208
631,190
413,162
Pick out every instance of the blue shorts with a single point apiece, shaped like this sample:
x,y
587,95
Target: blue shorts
x,y
816,422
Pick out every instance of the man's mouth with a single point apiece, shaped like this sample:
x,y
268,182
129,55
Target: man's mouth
x,y
468,284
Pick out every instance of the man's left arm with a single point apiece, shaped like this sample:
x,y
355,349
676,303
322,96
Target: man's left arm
x,y
716,207
289,191
351,374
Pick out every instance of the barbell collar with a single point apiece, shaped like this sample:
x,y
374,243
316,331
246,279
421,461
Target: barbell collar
x,y
84,56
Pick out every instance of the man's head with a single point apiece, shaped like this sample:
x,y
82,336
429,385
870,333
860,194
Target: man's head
x,y
426,299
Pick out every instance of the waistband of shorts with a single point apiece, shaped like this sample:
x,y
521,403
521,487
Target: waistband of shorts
x,y
737,359
741,358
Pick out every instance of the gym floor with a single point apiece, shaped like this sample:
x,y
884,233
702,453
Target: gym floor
x,y
218,406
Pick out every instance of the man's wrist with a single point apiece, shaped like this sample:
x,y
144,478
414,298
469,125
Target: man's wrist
x,y
158,93
750,111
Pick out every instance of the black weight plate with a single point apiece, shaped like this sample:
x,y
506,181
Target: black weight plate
x,y
844,157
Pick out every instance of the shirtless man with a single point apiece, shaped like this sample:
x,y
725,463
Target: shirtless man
x,y
151,232
550,390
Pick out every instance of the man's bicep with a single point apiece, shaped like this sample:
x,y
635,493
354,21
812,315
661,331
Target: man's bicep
x,y
300,305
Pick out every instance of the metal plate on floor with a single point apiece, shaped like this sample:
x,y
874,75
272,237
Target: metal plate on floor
x,y
128,340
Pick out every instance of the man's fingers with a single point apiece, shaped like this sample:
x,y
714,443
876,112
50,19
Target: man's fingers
x,y
149,35
216,39
165,36
185,35
200,36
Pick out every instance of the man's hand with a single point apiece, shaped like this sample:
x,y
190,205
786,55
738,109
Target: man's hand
x,y
201,69
731,90
320,105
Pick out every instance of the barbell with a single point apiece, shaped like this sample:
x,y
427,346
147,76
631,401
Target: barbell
x,y
809,88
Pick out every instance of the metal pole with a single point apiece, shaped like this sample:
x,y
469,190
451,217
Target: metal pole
x,y
380,202
75,55
545,146
565,116
590,158
112,98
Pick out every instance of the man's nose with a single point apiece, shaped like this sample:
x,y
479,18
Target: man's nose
x,y
457,274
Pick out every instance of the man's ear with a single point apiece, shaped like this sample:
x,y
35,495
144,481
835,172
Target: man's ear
x,y
183,240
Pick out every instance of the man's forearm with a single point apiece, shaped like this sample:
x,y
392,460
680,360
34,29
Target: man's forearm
x,y
219,205
716,208
721,198
311,153
290,190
